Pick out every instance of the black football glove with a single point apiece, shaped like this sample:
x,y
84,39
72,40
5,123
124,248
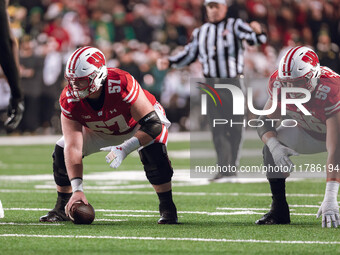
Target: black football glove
x,y
15,112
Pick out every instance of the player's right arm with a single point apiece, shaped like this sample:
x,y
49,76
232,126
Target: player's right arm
x,y
73,137
183,58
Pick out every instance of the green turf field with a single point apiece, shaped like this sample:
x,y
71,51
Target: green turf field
x,y
216,218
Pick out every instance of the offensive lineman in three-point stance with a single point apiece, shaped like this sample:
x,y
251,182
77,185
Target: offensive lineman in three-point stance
x,y
318,132
106,109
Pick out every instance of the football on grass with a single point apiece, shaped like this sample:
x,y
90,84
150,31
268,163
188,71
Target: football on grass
x,y
81,213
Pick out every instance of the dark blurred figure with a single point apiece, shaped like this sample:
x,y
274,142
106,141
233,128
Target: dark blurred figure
x,y
122,29
54,29
142,29
328,52
9,63
31,67
127,64
238,9
315,18
34,24
152,78
101,27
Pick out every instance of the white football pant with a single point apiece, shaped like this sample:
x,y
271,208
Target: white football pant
x,y
299,140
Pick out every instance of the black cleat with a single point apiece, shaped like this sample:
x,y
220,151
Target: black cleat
x,y
168,214
271,218
168,218
54,216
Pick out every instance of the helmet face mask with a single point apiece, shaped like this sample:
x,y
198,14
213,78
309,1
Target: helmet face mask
x,y
299,68
85,72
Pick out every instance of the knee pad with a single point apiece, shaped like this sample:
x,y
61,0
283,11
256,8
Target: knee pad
x,y
59,167
157,165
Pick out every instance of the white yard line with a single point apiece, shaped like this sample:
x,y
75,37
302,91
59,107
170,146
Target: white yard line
x,y
149,238
113,220
133,211
27,209
52,139
235,211
305,206
242,209
31,224
133,175
153,193
100,187
121,187
132,215
180,175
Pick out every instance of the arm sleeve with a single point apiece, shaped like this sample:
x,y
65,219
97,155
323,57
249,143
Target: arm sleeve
x,y
244,32
188,55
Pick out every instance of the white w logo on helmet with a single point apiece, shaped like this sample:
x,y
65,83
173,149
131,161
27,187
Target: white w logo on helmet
x,y
299,67
86,65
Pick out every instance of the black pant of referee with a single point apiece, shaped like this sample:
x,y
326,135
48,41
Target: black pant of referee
x,y
227,137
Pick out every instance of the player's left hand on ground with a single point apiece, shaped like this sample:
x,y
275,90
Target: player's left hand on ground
x,y
330,214
116,156
15,113
76,196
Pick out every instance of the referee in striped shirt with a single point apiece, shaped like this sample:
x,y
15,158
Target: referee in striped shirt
x,y
218,45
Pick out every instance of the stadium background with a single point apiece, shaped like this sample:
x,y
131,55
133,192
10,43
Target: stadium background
x,y
134,34
217,218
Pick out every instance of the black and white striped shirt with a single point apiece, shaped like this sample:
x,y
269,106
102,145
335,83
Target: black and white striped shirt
x,y
219,48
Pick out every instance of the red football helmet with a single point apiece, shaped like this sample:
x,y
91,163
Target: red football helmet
x,y
299,67
87,65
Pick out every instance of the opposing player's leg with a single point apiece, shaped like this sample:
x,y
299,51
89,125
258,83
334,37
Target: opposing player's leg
x,y
64,189
158,170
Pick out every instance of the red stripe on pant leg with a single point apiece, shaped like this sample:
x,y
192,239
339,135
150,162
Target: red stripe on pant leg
x,y
158,138
165,139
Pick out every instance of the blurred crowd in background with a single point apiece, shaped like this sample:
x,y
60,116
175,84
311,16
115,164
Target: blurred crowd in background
x,y
133,34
